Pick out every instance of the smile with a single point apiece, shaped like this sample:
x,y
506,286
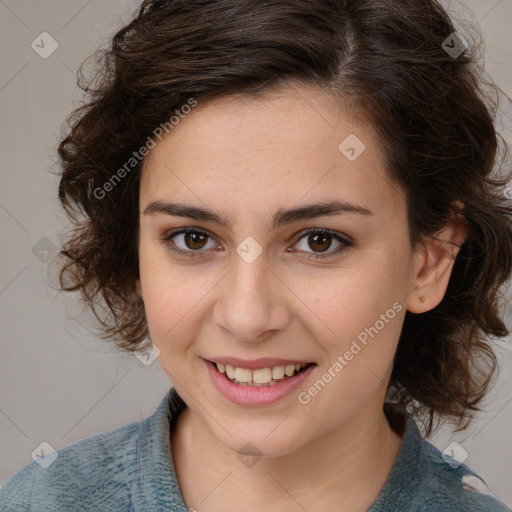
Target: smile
x,y
268,376
265,383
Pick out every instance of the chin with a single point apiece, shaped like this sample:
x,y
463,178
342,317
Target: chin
x,y
254,443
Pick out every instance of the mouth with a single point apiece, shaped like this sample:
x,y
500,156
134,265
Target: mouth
x,y
259,377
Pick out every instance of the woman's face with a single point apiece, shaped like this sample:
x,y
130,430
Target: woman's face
x,y
258,286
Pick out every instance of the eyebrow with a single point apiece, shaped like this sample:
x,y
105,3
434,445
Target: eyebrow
x,y
280,218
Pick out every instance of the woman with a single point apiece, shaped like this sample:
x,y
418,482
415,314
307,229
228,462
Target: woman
x,y
299,203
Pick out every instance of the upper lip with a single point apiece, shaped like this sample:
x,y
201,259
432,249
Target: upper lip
x,y
255,364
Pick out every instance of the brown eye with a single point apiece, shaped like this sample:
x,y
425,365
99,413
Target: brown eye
x,y
319,242
315,243
194,240
190,243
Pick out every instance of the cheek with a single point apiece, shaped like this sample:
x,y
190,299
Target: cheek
x,y
346,303
363,311
172,306
167,294
176,299
340,305
364,315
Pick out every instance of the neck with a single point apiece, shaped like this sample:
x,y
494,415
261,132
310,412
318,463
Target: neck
x,y
346,468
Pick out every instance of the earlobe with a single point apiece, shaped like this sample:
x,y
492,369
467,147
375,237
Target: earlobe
x,y
433,266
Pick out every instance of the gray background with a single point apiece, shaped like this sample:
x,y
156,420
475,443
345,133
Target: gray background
x,y
58,382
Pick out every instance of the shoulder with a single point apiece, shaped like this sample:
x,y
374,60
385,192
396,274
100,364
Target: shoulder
x,y
423,479
91,471
446,484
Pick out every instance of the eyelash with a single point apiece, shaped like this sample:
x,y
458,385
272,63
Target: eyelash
x,y
345,243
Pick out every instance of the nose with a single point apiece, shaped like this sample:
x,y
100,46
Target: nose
x,y
251,305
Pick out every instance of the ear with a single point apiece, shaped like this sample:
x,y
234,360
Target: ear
x,y
433,264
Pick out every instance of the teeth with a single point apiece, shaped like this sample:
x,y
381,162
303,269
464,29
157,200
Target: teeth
x,y
278,372
230,371
243,375
265,376
289,370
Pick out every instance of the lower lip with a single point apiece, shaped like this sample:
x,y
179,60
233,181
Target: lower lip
x,y
252,395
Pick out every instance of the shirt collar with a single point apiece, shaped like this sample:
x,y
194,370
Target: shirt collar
x,y
156,485
403,480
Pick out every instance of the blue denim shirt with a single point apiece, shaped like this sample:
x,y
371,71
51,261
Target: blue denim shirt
x,y
130,469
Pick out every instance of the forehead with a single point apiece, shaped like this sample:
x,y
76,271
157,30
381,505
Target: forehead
x,y
293,145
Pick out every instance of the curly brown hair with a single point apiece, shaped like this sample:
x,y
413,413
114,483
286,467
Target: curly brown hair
x,y
433,112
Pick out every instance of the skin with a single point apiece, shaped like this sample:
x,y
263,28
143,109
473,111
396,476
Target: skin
x,y
244,158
